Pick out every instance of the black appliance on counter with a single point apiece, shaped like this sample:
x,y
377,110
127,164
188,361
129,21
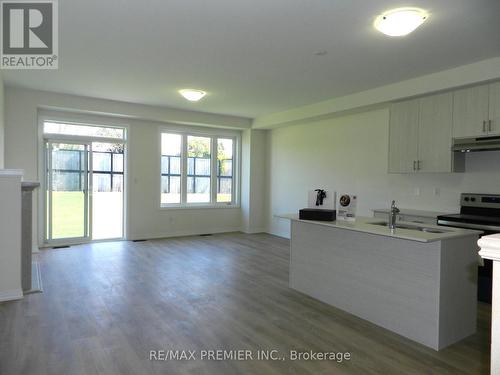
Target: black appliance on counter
x,y
317,214
480,212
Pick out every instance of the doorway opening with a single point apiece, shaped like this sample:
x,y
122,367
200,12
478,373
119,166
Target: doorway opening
x,y
84,182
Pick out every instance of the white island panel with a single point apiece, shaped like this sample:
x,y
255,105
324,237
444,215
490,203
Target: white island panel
x,y
422,290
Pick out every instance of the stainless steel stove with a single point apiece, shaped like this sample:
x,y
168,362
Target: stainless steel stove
x,y
480,212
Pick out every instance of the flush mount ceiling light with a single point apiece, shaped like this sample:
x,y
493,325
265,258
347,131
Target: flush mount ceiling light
x,y
192,95
401,21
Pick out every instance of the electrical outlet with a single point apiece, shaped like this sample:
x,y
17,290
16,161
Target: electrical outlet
x,y
437,192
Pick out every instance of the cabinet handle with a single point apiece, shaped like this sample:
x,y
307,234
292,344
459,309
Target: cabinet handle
x,y
484,126
418,164
490,128
414,165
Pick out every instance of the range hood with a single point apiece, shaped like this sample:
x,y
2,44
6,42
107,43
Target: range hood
x,y
476,144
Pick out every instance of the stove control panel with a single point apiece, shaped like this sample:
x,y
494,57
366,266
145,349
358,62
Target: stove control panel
x,y
480,200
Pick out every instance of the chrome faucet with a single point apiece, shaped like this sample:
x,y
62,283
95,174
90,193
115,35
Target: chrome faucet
x,y
393,215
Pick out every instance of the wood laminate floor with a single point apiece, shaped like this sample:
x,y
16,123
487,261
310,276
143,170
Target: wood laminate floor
x,y
106,306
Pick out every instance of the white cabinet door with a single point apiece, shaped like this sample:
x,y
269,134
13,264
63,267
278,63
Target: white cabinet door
x,y
470,112
494,117
403,136
434,136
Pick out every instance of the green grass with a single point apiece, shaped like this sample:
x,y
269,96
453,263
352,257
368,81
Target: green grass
x,y
67,214
223,198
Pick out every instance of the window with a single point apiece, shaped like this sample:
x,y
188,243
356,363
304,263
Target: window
x,y
52,127
197,169
107,167
171,145
224,169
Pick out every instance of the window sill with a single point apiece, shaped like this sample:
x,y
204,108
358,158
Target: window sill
x,y
198,206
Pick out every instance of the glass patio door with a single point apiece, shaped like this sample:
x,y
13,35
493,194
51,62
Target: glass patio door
x,y
68,187
107,190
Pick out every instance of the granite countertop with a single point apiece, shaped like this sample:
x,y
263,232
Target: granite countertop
x,y
412,212
363,224
29,185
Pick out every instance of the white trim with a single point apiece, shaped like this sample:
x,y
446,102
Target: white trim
x,y
126,185
213,134
195,206
89,184
80,139
42,177
11,295
78,119
255,230
198,130
11,172
47,182
48,246
213,170
490,247
492,254
184,170
87,219
187,233
84,119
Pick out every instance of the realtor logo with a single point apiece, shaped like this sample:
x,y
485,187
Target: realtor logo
x,y
29,34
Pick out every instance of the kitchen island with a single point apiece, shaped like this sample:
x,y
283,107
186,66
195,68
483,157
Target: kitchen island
x,y
419,284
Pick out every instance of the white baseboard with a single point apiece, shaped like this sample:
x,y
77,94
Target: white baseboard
x,y
11,295
254,230
186,233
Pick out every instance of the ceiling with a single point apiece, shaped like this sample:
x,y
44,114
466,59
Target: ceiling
x,y
253,57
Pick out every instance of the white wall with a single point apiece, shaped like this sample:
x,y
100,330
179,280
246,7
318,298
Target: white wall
x,y
2,122
481,71
258,181
350,154
145,218
10,235
254,181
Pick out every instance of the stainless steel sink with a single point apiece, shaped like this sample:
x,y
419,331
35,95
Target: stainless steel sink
x,y
411,227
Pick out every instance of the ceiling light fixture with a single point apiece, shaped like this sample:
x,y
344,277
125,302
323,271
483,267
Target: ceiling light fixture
x,y
401,21
192,95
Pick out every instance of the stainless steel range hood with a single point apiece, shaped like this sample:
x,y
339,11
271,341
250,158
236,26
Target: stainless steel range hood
x,y
476,144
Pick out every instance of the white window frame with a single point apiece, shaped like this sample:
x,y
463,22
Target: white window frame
x,y
47,115
213,134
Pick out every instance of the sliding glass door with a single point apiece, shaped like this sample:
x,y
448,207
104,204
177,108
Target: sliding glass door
x,y
67,189
84,182
107,190
85,185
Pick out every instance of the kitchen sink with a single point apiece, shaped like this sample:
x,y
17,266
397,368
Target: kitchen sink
x,y
411,227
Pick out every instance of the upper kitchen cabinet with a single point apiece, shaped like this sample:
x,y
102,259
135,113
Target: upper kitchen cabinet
x,y
494,109
471,106
403,134
420,136
434,133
